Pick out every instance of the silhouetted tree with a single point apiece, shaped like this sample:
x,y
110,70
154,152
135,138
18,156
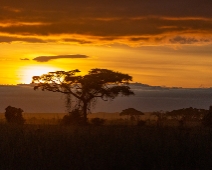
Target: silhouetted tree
x,y
14,115
98,83
207,119
133,113
161,117
187,113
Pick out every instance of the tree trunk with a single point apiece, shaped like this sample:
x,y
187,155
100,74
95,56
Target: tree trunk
x,y
85,106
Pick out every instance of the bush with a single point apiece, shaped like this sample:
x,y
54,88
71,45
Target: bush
x,y
14,115
207,119
97,121
141,123
73,118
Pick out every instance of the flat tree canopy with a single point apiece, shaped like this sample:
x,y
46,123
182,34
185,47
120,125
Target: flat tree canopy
x,y
98,83
133,113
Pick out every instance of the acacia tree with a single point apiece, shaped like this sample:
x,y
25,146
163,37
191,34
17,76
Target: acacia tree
x,y
133,113
98,83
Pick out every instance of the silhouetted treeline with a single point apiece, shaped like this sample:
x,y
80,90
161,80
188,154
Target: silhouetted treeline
x,y
187,114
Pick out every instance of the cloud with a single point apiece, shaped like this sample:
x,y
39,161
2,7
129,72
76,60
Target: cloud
x,y
24,59
130,22
10,39
76,40
188,40
48,58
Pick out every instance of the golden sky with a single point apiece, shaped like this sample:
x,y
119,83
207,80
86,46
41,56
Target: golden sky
x,y
165,43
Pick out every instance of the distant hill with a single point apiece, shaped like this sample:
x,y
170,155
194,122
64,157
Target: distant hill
x,y
146,99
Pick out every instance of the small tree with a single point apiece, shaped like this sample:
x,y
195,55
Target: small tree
x,y
207,119
98,83
14,115
187,113
73,118
183,116
133,113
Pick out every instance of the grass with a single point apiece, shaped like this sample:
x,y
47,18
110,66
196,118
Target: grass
x,y
104,148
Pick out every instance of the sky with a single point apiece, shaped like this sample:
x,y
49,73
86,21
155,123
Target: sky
x,y
161,43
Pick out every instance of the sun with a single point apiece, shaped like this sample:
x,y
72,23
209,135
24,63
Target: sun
x,y
28,72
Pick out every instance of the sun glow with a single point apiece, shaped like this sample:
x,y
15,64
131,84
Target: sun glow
x,y
29,71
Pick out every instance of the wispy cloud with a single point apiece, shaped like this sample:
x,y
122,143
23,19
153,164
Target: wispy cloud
x,y
24,59
48,58
188,40
10,39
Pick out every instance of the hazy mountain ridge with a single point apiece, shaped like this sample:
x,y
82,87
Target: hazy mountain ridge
x,y
147,98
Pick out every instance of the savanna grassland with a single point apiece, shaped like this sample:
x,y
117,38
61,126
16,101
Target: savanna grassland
x,y
52,146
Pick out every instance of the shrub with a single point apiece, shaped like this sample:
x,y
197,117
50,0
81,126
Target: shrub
x,y
207,119
141,123
14,115
97,121
73,118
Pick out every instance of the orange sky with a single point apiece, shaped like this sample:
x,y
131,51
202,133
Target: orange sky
x,y
165,43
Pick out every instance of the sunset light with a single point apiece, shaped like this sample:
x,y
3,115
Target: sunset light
x,y
29,71
158,43
106,84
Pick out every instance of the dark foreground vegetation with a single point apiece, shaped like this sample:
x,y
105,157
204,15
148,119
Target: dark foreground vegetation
x,y
104,147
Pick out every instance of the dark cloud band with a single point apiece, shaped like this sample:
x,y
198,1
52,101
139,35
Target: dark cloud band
x,y
139,20
48,58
